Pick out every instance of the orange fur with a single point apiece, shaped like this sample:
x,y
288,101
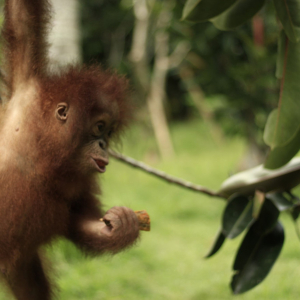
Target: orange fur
x,y
45,190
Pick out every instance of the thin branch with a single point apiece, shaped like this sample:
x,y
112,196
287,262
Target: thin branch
x,y
188,185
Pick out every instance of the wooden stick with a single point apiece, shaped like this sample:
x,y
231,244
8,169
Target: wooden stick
x,y
137,164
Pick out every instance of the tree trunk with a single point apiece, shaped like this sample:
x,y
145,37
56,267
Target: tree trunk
x,y
157,89
64,37
153,87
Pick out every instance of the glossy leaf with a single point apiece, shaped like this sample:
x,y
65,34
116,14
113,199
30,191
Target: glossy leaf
x,y
202,10
219,240
288,13
259,252
280,156
267,217
269,133
264,224
280,201
237,216
240,12
283,125
282,128
262,179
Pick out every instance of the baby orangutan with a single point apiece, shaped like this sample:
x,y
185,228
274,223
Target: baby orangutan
x,y
55,131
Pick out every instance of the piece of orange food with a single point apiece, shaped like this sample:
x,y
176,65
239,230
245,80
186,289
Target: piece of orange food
x,y
144,220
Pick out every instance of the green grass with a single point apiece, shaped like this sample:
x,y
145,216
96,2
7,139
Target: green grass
x,y
168,261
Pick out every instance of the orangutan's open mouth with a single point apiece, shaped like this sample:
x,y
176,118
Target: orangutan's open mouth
x,y
100,164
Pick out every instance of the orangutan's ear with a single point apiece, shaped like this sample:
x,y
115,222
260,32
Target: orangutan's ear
x,y
61,111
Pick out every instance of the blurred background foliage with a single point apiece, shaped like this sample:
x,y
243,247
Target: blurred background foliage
x,y
234,71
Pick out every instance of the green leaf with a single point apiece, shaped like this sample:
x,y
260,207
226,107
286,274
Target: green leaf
x,y
219,240
262,179
202,10
280,54
263,225
237,216
288,13
267,218
259,253
240,12
280,201
283,125
269,128
279,156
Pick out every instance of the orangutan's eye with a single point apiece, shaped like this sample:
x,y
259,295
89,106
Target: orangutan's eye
x,y
101,127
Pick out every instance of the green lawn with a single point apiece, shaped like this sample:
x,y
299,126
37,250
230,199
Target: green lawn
x,y
168,261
